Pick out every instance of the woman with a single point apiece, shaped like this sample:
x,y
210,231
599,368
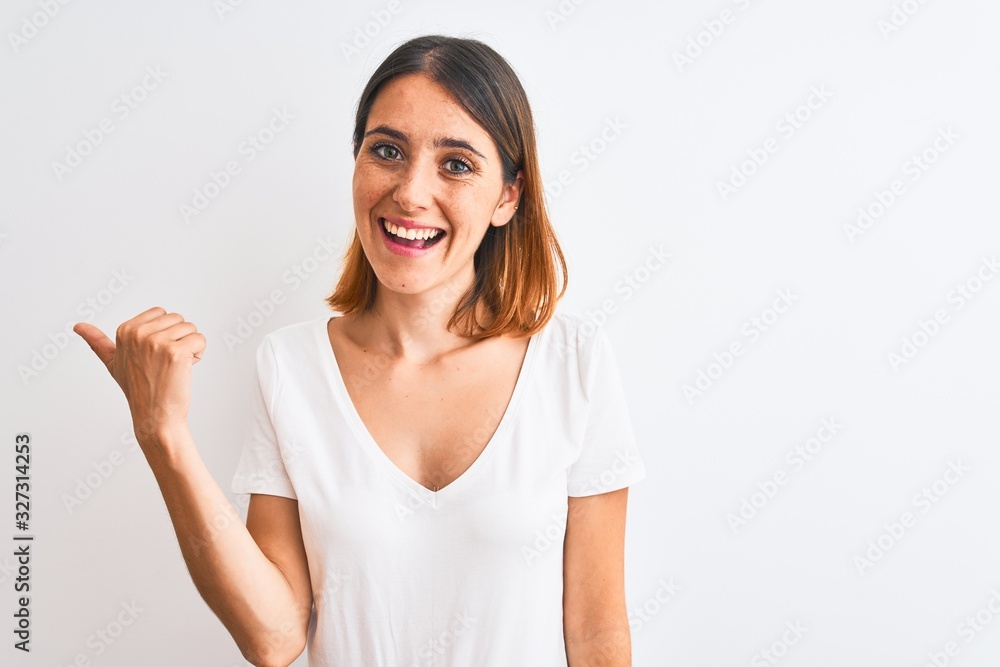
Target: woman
x,y
439,474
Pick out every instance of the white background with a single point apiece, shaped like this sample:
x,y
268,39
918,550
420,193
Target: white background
x,y
683,127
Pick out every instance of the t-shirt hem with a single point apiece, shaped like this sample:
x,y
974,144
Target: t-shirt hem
x,y
636,474
243,485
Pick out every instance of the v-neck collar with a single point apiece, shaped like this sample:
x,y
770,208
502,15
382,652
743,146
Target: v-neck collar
x,y
354,417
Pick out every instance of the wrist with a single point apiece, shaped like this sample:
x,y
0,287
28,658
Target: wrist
x,y
167,445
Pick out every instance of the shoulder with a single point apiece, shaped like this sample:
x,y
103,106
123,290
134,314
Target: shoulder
x,y
292,335
291,342
577,341
291,352
566,327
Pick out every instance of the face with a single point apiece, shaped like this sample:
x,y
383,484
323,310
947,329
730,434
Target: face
x,y
426,168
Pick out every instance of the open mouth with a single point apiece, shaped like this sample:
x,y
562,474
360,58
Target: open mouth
x,y
423,238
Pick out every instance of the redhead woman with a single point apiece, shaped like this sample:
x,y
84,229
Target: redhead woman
x,y
438,472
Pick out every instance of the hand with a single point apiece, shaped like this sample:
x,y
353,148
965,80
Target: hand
x,y
151,361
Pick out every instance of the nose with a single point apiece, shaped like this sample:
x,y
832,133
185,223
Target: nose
x,y
414,190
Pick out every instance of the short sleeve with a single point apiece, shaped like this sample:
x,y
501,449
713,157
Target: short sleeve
x,y
609,458
261,468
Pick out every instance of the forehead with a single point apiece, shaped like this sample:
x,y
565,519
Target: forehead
x,y
418,105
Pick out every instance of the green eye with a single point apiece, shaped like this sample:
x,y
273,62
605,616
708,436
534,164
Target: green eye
x,y
463,166
386,151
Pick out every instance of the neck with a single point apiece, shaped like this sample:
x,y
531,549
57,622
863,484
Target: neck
x,y
414,327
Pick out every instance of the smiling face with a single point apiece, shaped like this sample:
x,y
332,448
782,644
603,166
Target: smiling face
x,y
424,165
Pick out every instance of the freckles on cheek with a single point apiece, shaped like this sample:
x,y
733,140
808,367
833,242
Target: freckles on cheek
x,y
368,189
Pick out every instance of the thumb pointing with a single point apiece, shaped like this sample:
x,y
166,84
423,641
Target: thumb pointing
x,y
102,346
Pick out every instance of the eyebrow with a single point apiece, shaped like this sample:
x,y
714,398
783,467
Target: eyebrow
x,y
439,142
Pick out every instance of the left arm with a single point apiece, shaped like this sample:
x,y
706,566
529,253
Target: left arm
x,y
595,620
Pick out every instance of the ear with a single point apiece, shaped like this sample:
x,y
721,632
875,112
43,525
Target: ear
x,y
509,200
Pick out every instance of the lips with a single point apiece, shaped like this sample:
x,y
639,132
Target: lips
x,y
417,243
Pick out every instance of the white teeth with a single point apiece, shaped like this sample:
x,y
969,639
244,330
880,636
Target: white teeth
x,y
402,232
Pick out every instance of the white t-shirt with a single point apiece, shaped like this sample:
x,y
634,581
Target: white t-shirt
x,y
469,575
